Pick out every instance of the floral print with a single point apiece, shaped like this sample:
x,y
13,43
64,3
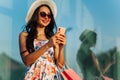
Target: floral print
x,y
44,67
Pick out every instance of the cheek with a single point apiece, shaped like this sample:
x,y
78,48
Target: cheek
x,y
40,20
49,21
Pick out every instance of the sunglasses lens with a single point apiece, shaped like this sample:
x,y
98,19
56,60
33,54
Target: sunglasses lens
x,y
49,16
43,14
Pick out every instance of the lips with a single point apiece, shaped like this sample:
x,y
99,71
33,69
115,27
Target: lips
x,y
45,21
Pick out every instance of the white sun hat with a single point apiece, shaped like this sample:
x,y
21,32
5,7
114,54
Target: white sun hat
x,y
38,3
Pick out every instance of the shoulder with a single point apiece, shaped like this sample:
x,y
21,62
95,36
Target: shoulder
x,y
23,35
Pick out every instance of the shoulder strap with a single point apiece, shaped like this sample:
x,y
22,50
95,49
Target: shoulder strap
x,y
97,65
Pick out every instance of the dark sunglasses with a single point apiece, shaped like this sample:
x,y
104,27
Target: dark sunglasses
x,y
43,14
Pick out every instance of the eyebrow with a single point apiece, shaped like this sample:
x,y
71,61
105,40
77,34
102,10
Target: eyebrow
x,y
45,12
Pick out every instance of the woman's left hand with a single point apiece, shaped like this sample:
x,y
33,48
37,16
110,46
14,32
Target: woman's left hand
x,y
61,40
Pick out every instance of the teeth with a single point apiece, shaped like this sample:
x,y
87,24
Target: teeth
x,y
45,21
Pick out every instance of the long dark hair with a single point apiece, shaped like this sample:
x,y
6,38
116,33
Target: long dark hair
x,y
32,31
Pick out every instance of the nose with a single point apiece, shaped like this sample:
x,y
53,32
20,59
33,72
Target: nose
x,y
46,16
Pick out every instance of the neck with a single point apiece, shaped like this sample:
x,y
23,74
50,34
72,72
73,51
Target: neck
x,y
40,30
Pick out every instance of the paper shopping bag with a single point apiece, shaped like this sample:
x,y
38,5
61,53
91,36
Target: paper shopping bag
x,y
70,74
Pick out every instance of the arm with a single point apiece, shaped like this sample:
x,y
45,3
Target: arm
x,y
61,58
29,58
61,41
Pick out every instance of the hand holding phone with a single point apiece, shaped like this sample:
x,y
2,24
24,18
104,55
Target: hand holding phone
x,y
61,30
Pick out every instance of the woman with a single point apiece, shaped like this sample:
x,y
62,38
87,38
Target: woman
x,y
41,49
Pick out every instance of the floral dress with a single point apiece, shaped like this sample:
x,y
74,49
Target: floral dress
x,y
44,67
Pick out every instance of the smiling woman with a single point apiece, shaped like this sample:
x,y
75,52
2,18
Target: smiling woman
x,y
76,15
42,49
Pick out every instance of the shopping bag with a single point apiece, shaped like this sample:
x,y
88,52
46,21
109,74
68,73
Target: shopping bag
x,y
69,74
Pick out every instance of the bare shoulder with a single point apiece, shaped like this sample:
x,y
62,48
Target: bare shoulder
x,y
23,34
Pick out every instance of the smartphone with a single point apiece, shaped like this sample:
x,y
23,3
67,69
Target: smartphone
x,y
61,30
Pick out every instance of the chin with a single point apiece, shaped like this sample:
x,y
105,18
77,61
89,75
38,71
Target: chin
x,y
45,25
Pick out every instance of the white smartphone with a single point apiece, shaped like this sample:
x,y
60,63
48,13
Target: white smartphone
x,y
61,30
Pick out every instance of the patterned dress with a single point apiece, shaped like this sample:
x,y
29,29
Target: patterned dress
x,y
44,67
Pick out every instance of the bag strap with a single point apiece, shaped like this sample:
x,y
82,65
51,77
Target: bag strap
x,y
66,66
62,68
95,60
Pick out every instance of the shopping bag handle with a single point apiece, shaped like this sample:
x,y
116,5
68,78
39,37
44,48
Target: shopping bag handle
x,y
66,66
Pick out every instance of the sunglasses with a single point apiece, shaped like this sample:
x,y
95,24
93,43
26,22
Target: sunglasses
x,y
43,14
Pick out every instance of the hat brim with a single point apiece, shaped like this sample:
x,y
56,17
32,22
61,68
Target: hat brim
x,y
38,3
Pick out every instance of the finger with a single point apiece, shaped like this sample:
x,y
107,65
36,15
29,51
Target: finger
x,y
61,39
59,35
62,35
61,42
